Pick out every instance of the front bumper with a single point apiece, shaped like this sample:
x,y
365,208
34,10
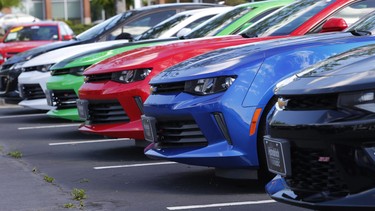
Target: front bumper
x,y
107,98
9,85
360,201
332,159
64,89
229,146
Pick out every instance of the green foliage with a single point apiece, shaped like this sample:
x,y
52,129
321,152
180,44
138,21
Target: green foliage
x,y
77,27
15,154
48,179
234,2
107,5
69,205
78,194
9,3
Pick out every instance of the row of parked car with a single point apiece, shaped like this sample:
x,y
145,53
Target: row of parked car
x,y
273,87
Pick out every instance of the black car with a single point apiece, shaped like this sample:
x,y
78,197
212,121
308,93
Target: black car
x,y
321,138
124,25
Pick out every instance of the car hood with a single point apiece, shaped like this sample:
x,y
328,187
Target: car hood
x,y
349,71
27,55
227,61
145,57
21,46
57,55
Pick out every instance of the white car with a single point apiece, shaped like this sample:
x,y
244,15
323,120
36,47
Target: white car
x,y
11,19
32,81
183,20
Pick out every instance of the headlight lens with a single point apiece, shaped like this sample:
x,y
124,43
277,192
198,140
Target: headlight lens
x,y
16,66
364,100
43,68
129,76
208,86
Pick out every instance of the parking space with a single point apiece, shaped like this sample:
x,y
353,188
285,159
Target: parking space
x,y
114,173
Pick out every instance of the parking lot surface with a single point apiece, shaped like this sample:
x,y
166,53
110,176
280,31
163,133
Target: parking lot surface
x,y
55,158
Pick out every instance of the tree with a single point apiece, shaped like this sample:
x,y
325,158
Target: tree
x,y
9,3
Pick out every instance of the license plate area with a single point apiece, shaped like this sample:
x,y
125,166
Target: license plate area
x,y
149,128
83,109
278,156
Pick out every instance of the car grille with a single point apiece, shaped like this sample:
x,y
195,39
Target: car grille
x,y
60,71
106,111
64,99
32,91
309,175
311,102
180,133
169,87
99,77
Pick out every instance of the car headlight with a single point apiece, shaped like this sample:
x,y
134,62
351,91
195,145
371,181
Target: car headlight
x,y
16,66
128,76
208,86
43,68
364,100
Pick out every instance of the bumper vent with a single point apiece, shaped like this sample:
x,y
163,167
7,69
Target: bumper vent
x,y
32,91
101,112
60,71
312,102
313,176
99,77
180,133
169,88
64,99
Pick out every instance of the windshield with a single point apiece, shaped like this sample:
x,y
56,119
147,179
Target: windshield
x,y
159,29
32,33
365,24
216,24
101,27
287,19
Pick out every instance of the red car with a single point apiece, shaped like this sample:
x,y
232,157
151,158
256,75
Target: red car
x,y
112,98
22,37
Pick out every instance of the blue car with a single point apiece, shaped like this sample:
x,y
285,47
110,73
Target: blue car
x,y
211,110
321,135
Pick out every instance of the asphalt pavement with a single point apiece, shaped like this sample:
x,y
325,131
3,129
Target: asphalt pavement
x,y
114,174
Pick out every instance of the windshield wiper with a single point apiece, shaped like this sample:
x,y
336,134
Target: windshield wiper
x,y
356,32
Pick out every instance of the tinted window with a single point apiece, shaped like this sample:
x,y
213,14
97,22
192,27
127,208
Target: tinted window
x,y
351,13
218,23
286,20
158,30
100,28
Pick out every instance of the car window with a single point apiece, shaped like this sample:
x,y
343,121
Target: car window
x,y
218,23
286,20
32,33
142,24
198,21
159,29
351,13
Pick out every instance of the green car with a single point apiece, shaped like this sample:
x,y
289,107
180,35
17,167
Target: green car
x,y
66,79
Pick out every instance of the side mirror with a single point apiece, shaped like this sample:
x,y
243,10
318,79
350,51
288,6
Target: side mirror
x,y
334,25
67,37
124,36
183,32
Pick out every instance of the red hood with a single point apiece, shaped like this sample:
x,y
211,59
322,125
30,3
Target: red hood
x,y
20,46
168,54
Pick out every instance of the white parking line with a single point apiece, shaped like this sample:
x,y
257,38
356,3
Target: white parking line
x,y
18,116
88,141
48,126
134,165
220,205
